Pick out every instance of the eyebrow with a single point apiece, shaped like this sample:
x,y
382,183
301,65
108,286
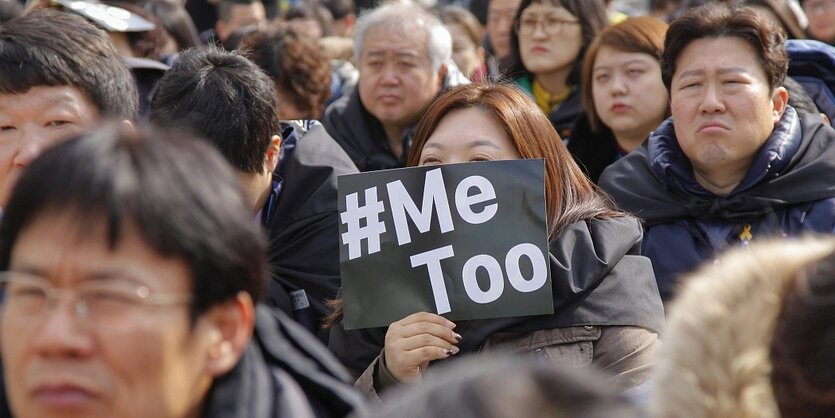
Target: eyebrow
x,y
121,275
471,144
630,62
400,53
728,70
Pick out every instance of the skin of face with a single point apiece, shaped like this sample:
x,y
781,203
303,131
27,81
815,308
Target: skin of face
x,y
155,365
397,82
723,108
241,15
500,15
629,95
467,55
821,14
543,53
34,121
467,135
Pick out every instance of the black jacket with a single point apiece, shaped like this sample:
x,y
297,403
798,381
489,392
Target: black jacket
x,y
565,114
302,223
598,278
592,151
361,134
284,373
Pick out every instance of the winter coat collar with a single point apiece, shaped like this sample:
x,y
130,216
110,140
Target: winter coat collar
x,y
796,165
671,166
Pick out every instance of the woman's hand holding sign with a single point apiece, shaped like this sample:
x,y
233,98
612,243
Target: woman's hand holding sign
x,y
414,341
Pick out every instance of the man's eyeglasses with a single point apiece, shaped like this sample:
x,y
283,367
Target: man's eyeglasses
x,y
526,25
106,305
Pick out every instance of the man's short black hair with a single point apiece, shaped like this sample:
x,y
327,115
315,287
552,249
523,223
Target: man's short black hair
x,y
51,48
223,97
178,192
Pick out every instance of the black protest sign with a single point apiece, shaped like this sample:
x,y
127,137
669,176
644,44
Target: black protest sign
x,y
468,241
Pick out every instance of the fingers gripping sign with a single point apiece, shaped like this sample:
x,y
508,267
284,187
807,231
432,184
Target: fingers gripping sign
x,y
416,340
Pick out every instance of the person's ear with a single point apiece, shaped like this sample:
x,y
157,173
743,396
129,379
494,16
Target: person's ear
x,y
128,126
442,75
481,54
779,100
351,22
221,30
273,152
232,324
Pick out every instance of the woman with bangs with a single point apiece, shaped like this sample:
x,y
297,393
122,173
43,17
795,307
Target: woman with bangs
x,y
607,311
548,43
622,93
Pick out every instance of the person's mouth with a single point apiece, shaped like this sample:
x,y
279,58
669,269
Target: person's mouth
x,y
62,395
619,108
712,127
388,99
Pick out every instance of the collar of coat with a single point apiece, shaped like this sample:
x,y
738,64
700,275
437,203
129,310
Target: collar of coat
x,y
795,165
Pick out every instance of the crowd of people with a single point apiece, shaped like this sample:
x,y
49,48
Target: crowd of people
x,y
179,162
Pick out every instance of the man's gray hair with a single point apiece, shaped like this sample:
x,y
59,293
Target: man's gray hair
x,y
406,16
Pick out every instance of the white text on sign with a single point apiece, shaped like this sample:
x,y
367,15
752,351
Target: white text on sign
x,y
435,203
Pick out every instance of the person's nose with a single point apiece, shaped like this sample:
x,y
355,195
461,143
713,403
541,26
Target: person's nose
x,y
30,147
505,24
390,75
619,86
60,331
712,100
539,31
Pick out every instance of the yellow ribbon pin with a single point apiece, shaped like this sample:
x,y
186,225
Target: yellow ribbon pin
x,y
745,235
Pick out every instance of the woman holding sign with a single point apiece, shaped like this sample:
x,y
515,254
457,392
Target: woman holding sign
x,y
607,311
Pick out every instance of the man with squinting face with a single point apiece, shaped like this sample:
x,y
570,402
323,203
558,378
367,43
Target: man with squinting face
x,y
735,163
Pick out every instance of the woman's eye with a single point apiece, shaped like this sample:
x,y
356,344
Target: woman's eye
x,y
58,123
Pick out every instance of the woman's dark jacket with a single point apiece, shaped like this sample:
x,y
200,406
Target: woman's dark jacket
x,y
593,151
598,279
565,114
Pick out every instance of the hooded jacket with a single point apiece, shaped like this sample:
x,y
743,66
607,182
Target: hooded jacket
x,y
301,220
598,279
789,189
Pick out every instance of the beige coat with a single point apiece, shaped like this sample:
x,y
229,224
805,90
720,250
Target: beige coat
x,y
715,358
